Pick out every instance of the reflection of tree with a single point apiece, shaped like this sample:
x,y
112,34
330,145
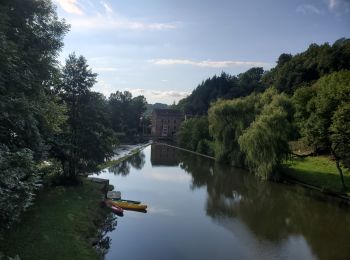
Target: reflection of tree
x,y
200,169
136,161
103,240
271,211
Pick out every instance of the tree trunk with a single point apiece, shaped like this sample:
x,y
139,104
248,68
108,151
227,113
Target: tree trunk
x,y
339,169
341,174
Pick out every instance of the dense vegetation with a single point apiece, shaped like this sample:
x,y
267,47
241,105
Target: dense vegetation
x,y
51,122
305,99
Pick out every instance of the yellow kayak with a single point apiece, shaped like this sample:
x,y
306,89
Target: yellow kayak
x,y
127,205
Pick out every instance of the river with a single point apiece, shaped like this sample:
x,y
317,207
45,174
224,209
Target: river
x,y
198,209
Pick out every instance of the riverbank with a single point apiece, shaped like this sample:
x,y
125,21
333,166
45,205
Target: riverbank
x,y
61,224
320,172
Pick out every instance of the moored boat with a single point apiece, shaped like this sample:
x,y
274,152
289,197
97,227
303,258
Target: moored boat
x,y
116,209
129,201
127,205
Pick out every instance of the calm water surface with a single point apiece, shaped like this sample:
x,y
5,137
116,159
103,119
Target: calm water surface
x,y
201,210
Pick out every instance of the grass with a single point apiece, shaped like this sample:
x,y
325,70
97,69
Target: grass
x,y
318,171
60,225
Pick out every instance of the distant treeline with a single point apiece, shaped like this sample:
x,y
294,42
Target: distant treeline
x,y
250,119
51,122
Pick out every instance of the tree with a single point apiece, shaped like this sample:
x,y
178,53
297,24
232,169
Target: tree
x,y
324,119
126,111
87,138
194,135
265,142
30,39
227,121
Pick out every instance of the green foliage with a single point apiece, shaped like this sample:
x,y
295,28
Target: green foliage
x,y
265,141
227,121
126,112
322,112
30,39
253,131
222,87
340,132
194,135
18,181
87,138
293,72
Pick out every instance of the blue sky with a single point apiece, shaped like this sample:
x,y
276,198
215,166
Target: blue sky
x,y
163,49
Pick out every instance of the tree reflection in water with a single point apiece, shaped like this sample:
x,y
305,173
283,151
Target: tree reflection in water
x,y
137,161
103,241
272,212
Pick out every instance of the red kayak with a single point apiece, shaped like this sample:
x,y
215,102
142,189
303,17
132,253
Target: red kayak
x,y
116,209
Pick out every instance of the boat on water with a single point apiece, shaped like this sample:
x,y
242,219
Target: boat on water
x,y
117,210
128,205
129,201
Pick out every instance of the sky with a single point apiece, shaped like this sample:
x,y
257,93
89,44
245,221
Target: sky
x,y
163,49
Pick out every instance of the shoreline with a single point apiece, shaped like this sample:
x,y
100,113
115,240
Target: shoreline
x,y
288,180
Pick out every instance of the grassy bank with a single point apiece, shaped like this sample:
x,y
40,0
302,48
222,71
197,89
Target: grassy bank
x,y
318,171
60,225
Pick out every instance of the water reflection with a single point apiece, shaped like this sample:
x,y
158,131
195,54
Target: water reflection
x,y
103,240
136,161
273,212
199,209
162,155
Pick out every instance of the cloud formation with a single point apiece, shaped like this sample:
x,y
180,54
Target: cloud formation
x,y
70,6
101,22
166,96
103,69
210,63
308,9
340,5
105,19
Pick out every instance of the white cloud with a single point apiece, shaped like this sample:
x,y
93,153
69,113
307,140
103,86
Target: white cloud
x,y
105,19
110,22
209,63
103,69
163,96
308,9
70,6
332,4
341,6
107,7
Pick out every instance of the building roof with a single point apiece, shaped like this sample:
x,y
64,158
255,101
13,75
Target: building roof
x,y
167,112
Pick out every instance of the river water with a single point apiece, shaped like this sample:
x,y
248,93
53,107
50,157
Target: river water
x,y
198,209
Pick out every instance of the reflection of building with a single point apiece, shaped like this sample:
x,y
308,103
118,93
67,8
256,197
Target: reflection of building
x,y
166,122
163,155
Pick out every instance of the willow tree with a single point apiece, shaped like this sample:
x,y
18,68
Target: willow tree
x,y
265,142
227,121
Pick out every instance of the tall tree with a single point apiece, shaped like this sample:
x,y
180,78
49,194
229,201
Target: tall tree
x,y
30,39
87,138
322,110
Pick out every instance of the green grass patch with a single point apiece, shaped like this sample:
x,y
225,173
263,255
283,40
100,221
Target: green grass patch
x,y
60,225
318,171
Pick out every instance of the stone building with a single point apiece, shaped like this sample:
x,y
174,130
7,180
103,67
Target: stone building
x,y
166,122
